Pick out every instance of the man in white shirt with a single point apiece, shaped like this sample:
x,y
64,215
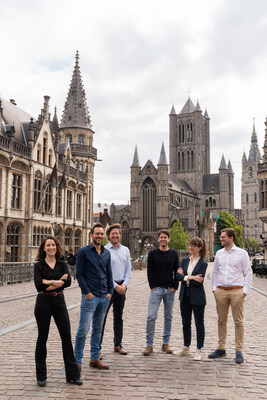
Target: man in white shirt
x,y
121,267
231,282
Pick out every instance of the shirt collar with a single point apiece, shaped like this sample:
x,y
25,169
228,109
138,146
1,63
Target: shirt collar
x,y
232,248
109,245
92,247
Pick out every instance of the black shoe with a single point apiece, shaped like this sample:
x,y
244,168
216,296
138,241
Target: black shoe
x,y
41,383
75,381
239,359
217,353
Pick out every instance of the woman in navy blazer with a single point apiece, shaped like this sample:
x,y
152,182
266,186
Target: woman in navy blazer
x,y
192,294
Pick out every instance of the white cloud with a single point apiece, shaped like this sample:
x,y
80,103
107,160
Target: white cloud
x,y
137,58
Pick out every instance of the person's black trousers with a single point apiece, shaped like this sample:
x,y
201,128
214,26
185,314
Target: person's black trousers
x,y
45,308
186,313
118,301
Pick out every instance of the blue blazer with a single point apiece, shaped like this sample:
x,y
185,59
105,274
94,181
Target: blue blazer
x,y
196,289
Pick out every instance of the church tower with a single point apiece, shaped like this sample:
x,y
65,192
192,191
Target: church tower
x,y
76,131
250,190
189,141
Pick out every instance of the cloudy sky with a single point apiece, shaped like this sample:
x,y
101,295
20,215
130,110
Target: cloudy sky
x,y
137,58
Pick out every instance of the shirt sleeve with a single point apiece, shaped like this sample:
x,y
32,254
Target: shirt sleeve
x,y
128,269
65,270
247,270
80,271
215,273
175,268
109,276
38,278
150,271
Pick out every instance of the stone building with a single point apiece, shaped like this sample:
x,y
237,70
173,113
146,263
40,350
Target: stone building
x,y
182,188
46,175
250,190
262,178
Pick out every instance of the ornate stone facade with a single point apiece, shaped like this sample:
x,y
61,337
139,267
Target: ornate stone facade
x,y
250,190
46,175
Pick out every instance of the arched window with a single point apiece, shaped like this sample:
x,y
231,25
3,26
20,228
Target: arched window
x,y
190,160
180,160
255,197
181,132
213,203
16,191
189,131
48,199
39,149
125,233
149,205
12,241
37,191
81,139
50,158
44,150
206,203
68,237
77,244
246,197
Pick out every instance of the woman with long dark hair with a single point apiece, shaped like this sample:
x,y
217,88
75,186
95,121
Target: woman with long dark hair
x,y
192,294
51,276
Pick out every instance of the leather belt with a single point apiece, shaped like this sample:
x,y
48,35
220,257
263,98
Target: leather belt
x,y
229,287
51,293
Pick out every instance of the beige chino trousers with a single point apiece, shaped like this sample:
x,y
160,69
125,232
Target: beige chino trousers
x,y
235,299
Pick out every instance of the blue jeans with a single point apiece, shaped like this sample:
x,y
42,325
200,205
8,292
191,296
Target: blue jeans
x,y
167,295
91,310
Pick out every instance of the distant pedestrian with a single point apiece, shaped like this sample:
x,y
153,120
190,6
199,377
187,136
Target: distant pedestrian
x,y
94,275
231,282
192,294
71,261
51,276
121,267
162,278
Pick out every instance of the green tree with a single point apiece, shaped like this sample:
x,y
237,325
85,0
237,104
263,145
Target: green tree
x,y
105,241
179,239
229,221
253,245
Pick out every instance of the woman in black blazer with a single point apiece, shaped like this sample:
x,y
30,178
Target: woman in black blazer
x,y
192,295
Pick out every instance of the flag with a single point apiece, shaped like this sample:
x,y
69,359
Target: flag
x,y
63,182
53,177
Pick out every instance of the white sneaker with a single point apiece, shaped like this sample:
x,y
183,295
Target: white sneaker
x,y
185,351
198,355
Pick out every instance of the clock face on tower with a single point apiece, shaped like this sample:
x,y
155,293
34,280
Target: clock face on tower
x,y
250,172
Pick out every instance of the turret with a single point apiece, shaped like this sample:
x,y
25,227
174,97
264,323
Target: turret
x,y
172,138
231,187
224,184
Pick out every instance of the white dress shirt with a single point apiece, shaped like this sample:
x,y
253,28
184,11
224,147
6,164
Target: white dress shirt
x,y
191,266
232,268
121,265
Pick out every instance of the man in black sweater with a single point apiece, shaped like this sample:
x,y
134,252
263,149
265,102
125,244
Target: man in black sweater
x,y
161,274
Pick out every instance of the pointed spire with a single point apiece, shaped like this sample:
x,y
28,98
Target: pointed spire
x,y
198,108
172,112
206,115
254,152
136,162
265,143
244,158
223,163
188,107
230,168
55,123
76,113
162,157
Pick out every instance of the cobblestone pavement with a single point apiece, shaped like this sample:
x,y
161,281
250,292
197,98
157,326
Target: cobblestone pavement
x,y
159,376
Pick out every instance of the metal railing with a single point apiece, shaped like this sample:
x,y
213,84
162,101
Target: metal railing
x,y
16,272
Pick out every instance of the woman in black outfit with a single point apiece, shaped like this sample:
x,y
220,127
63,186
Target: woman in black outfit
x,y
51,276
192,295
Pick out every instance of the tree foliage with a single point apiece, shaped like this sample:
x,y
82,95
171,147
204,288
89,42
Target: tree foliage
x,y
253,244
179,239
229,221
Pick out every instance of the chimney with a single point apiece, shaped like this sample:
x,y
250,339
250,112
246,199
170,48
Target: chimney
x,y
46,107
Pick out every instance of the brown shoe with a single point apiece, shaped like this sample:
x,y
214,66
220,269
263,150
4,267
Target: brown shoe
x,y
121,350
148,350
98,364
166,348
80,368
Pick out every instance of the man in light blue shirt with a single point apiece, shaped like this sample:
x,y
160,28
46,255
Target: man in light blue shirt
x,y
121,267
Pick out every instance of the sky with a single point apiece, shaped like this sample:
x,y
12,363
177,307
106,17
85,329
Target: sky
x,y
137,59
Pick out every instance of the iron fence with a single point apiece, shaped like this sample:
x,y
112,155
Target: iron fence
x,y
16,272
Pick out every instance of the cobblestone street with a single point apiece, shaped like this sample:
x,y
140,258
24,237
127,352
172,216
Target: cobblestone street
x,y
159,376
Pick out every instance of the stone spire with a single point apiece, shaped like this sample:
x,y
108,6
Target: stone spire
x,y
230,168
206,115
223,163
254,152
244,158
136,162
75,112
55,121
198,108
265,143
162,157
172,112
188,107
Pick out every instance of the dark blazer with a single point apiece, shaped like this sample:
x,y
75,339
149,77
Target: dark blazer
x,y
196,289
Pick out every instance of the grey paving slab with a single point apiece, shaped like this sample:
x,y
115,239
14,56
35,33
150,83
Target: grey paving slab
x,y
159,376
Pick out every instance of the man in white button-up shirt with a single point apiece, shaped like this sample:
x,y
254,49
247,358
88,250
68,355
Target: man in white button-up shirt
x,y
231,282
